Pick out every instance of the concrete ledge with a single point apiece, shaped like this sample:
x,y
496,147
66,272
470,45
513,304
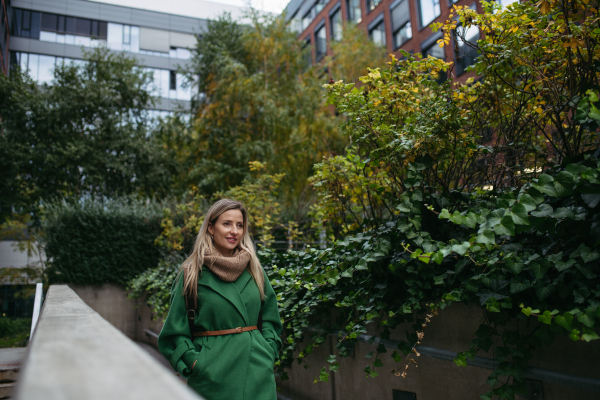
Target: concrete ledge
x,y
76,354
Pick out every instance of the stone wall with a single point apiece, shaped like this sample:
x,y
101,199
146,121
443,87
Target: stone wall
x,y
130,316
433,379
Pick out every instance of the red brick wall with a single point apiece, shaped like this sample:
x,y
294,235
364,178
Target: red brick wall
x,y
418,34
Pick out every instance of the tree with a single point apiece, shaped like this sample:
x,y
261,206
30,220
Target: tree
x,y
85,134
258,105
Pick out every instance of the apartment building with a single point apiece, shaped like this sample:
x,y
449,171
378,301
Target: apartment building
x,y
42,33
393,24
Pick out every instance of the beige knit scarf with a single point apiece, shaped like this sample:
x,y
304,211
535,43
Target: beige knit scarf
x,y
227,268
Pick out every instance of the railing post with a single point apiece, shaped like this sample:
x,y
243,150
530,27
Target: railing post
x,y
36,307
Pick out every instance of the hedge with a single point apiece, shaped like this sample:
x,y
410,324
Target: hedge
x,y
97,242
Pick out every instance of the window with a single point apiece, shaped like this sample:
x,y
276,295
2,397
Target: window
x,y
428,11
124,38
321,38
354,11
296,24
401,26
336,25
173,80
26,23
71,30
371,4
307,52
377,33
306,20
466,55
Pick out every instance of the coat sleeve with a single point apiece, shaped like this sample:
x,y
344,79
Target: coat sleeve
x,y
175,341
271,320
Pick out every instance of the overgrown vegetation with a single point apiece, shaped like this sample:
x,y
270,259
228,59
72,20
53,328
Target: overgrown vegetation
x,y
97,242
14,332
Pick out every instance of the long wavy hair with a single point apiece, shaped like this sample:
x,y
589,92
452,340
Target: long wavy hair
x,y
204,243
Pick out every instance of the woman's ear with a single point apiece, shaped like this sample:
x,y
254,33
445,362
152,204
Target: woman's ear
x,y
211,229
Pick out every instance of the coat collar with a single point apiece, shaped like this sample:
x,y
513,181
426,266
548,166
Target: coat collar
x,y
228,290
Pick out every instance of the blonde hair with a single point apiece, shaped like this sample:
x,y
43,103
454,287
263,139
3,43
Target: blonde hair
x,y
204,243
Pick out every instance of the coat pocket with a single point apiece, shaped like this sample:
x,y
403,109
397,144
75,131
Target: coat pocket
x,y
266,346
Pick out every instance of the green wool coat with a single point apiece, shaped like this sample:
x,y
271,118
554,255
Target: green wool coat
x,y
229,367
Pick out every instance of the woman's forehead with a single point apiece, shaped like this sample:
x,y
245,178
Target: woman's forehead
x,y
232,215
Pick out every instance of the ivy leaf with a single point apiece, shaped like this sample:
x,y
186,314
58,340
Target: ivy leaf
x,y
565,320
519,214
377,363
538,269
591,199
486,237
587,319
562,265
519,284
361,266
543,291
438,280
513,266
563,183
545,318
506,226
528,202
457,218
470,220
544,211
545,185
438,257
461,248
536,195
588,255
444,214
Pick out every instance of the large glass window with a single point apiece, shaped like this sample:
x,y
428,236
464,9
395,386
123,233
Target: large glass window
x,y
401,26
434,50
336,25
124,38
428,11
321,38
377,34
354,11
26,23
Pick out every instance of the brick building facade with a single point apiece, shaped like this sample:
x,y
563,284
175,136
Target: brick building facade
x,y
395,24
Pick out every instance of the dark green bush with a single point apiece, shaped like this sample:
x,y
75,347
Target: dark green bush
x,y
97,242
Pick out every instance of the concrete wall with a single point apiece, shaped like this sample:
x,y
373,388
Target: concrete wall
x,y
76,354
130,316
434,378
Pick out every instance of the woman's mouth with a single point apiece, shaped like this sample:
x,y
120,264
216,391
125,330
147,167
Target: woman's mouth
x,y
231,240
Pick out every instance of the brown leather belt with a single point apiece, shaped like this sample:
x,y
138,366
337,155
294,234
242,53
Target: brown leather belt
x,y
226,331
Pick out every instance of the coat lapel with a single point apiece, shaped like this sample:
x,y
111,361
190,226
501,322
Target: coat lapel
x,y
226,289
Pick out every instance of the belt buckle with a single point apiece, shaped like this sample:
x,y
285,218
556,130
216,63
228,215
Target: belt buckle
x,y
238,329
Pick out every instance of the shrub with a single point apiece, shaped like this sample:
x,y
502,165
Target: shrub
x,y
97,242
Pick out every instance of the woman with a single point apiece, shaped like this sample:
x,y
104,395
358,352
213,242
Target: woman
x,y
227,357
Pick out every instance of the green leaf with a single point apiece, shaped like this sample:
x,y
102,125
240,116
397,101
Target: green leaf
x,y
538,269
545,185
588,255
587,319
486,237
518,284
536,195
543,291
563,183
438,280
362,265
544,210
461,248
565,320
506,226
437,257
561,265
470,220
457,218
519,214
545,318
377,363
444,214
513,266
528,202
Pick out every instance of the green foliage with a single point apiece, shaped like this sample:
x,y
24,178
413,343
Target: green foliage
x,y
84,134
14,332
259,104
94,242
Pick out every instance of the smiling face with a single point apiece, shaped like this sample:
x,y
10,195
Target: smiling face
x,y
227,231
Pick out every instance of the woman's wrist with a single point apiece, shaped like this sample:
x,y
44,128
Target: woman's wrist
x,y
194,364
